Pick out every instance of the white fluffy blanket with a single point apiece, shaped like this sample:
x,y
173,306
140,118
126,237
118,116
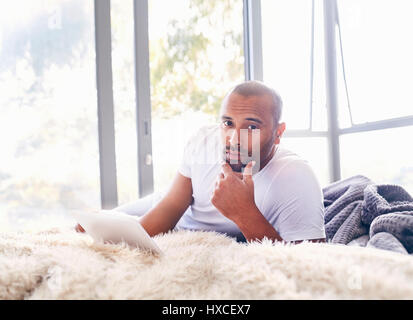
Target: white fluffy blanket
x,y
63,264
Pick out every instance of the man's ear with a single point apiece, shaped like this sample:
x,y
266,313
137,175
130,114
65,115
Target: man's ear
x,y
279,132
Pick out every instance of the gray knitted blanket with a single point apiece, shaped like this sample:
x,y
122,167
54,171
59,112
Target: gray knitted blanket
x,y
360,212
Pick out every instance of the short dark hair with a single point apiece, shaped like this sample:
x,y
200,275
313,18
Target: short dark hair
x,y
257,88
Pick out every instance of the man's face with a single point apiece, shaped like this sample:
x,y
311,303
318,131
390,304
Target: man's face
x,y
248,131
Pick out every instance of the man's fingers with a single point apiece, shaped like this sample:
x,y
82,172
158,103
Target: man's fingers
x,y
79,228
247,174
220,177
237,174
226,169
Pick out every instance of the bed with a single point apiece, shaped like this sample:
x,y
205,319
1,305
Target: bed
x,y
60,263
368,255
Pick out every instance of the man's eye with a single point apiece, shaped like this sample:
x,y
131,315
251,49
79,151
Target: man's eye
x,y
252,127
227,123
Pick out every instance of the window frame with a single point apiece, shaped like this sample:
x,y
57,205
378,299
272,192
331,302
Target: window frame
x,y
105,113
106,123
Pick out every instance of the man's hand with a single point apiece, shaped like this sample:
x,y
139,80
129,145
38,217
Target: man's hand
x,y
79,228
234,198
234,193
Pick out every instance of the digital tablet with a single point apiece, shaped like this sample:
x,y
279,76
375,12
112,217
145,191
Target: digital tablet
x,y
115,226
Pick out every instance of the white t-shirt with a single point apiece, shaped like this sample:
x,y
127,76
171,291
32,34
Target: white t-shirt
x,y
286,191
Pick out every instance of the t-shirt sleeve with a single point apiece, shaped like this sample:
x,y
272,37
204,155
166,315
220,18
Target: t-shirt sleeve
x,y
186,160
299,207
200,149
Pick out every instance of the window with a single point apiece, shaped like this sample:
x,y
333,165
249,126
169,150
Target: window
x,y
123,61
196,56
288,58
293,64
377,51
48,116
376,57
384,156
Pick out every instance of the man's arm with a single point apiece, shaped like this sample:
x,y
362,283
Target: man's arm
x,y
166,214
254,226
234,198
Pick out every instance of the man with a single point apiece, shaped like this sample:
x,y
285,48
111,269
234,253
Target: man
x,y
253,190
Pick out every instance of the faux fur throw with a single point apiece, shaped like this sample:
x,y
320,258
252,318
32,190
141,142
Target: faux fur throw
x,y
63,264
366,214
